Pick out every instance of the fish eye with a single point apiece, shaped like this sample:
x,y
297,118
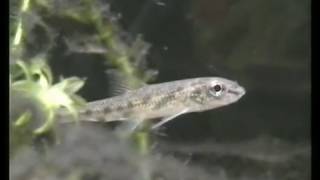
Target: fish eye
x,y
216,90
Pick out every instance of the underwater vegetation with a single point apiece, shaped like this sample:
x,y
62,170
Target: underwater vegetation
x,y
64,54
35,33
96,153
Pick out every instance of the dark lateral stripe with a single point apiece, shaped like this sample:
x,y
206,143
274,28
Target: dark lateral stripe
x,y
163,101
146,99
101,118
179,89
120,108
172,96
134,103
106,110
130,104
88,112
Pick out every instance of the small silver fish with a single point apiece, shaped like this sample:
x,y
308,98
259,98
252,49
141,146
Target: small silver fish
x,y
165,100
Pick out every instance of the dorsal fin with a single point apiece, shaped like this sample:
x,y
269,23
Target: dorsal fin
x,y
119,83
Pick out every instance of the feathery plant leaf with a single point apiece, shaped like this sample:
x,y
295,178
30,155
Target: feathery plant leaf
x,y
24,118
37,82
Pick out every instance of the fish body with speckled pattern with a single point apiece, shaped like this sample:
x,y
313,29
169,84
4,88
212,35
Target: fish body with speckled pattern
x,y
165,100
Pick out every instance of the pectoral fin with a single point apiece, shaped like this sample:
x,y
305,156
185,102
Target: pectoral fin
x,y
167,119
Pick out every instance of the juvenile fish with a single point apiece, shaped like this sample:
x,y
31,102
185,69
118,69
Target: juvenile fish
x,y
165,100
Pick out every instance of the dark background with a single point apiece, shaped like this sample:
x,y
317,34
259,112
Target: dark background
x,y
264,45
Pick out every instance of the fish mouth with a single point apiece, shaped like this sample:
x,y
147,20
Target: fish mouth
x,y
239,91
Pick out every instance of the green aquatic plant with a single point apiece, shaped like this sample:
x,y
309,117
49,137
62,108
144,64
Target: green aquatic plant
x,y
126,57
38,84
33,81
37,95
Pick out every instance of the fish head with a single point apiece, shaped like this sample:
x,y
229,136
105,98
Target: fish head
x,y
217,92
